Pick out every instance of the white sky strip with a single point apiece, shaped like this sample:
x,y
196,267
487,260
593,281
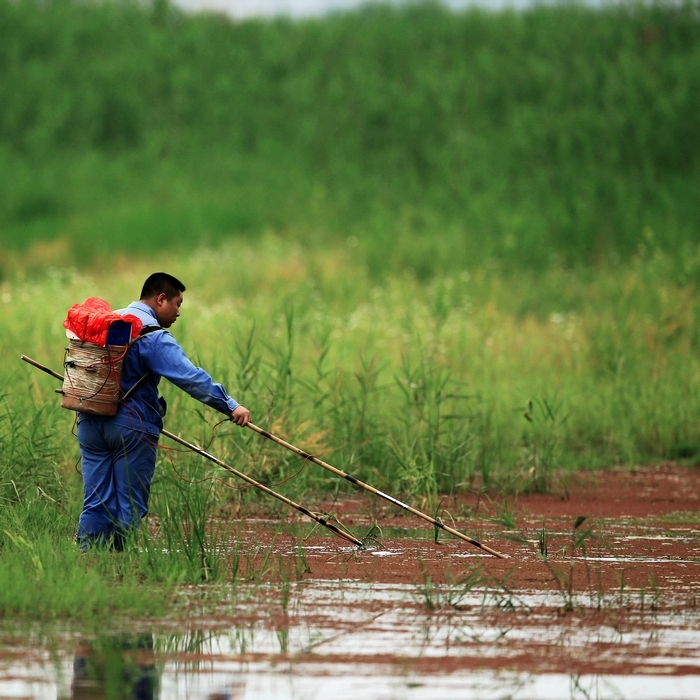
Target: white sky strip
x,y
240,9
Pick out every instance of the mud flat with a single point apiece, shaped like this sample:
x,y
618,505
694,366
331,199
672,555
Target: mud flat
x,y
611,611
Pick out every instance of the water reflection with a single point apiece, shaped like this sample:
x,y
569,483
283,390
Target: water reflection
x,y
348,639
119,666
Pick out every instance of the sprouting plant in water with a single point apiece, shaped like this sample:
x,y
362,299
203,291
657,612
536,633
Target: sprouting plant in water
x,y
543,541
470,579
563,578
542,442
428,592
621,587
454,591
499,593
193,541
439,514
505,514
565,584
283,639
301,565
258,574
285,590
372,539
655,594
580,536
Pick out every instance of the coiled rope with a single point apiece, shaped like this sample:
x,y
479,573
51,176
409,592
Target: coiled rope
x,y
93,372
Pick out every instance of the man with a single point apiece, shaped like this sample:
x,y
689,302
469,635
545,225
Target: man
x,y
119,452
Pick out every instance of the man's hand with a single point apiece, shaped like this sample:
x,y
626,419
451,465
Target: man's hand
x,y
241,416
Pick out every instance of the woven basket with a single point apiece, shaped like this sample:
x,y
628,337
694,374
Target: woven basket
x,y
91,378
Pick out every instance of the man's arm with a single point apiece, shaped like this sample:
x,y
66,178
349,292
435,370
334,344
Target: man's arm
x,y
169,360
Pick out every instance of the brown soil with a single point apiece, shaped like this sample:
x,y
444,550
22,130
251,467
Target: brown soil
x,y
619,583
615,596
643,533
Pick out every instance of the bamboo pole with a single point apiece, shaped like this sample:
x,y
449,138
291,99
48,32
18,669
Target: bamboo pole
x,y
371,489
34,363
320,520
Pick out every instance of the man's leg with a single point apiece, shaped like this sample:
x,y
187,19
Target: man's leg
x,y
134,465
99,514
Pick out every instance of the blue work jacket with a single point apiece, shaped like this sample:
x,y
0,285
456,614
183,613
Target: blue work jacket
x,y
160,355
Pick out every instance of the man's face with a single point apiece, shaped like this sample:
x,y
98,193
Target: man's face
x,y
166,310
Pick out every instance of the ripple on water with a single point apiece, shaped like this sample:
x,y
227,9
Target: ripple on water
x,y
349,640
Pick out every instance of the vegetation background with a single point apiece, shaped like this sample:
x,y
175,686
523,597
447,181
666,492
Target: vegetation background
x,y
447,251
439,140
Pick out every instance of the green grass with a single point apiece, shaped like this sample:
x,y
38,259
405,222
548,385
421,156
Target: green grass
x,y
482,380
44,576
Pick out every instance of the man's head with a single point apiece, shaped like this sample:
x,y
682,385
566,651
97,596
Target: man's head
x,y
163,293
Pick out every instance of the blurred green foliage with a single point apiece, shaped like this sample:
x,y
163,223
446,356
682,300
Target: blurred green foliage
x,y
434,140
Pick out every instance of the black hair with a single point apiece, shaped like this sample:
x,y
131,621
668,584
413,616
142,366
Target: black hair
x,y
162,283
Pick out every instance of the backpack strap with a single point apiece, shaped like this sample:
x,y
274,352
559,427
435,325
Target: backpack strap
x,y
144,331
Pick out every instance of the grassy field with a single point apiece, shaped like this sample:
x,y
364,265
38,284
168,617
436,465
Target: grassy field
x,y
479,381
446,252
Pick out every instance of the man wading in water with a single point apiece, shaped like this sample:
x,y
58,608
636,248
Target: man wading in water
x,y
119,452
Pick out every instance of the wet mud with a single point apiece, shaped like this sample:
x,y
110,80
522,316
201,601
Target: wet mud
x,y
597,598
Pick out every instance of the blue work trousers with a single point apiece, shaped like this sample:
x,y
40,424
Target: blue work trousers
x,y
118,465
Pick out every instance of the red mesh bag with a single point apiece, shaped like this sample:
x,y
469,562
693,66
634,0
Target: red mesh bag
x,y
91,321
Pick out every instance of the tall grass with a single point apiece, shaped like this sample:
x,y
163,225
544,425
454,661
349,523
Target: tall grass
x,y
475,381
432,140
473,376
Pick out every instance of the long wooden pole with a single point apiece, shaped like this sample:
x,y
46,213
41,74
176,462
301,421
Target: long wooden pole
x,y
34,363
371,489
319,519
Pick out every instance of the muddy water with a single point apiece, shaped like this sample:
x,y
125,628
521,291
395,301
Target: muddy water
x,y
616,618
352,639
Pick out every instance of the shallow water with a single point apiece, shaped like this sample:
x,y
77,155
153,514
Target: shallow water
x,y
320,639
